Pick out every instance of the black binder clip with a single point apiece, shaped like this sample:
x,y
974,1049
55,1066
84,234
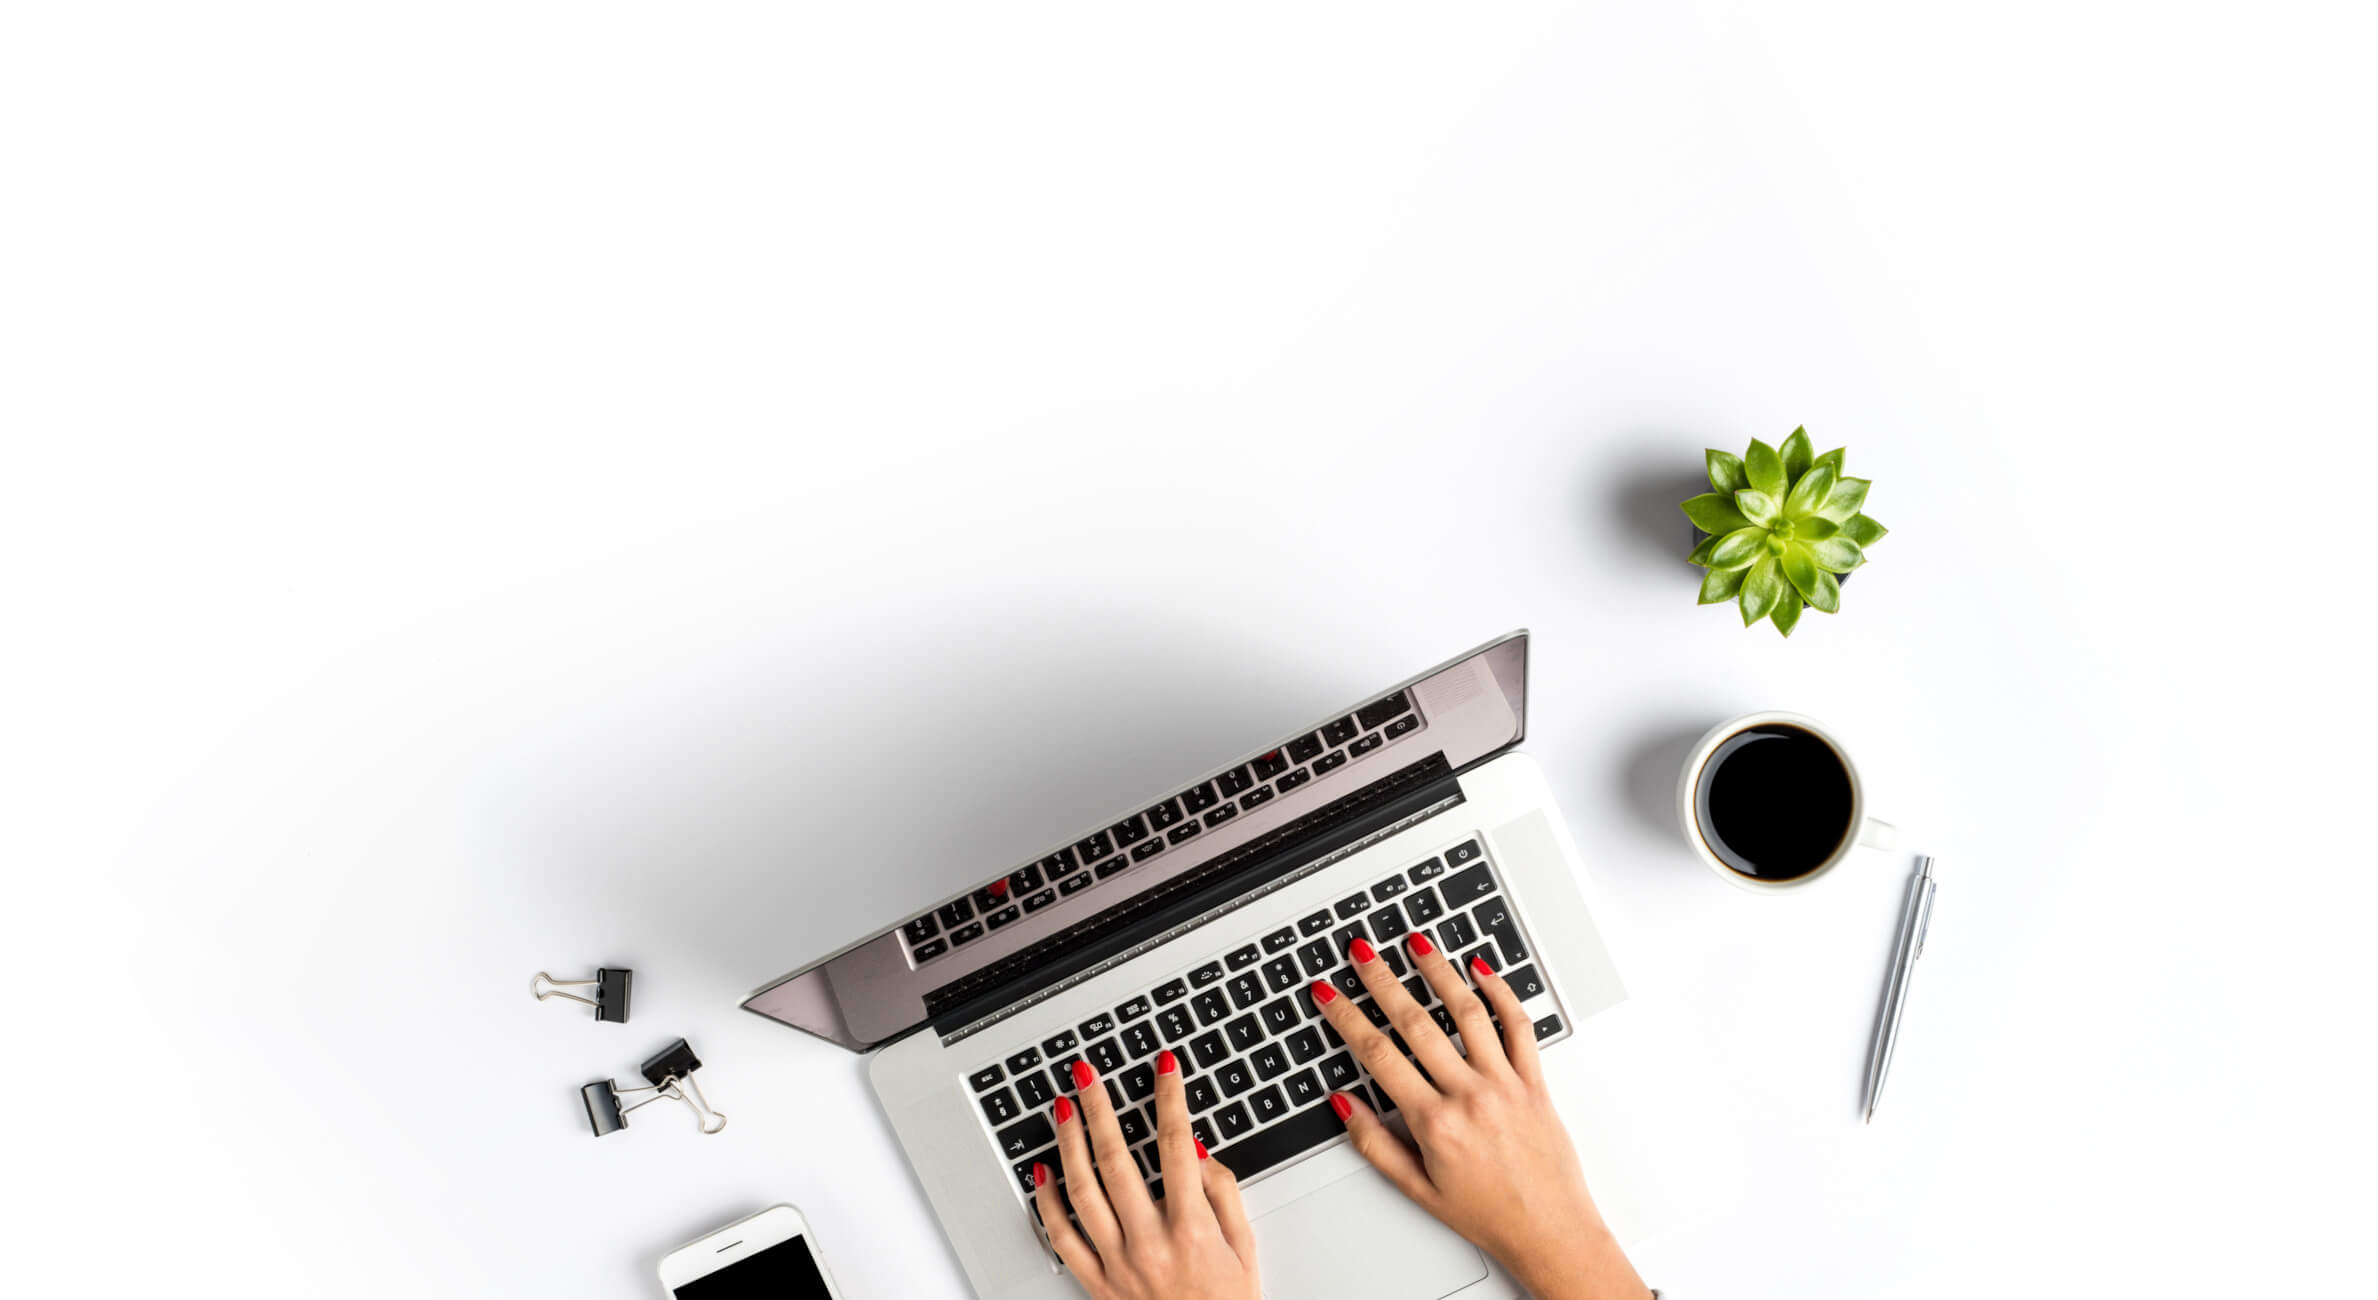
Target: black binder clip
x,y
611,992
668,1074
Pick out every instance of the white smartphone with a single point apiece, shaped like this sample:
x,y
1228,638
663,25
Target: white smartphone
x,y
767,1255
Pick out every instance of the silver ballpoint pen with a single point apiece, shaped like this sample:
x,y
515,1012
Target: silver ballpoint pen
x,y
1915,919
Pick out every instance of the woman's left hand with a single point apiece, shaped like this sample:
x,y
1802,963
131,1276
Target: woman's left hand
x,y
1196,1246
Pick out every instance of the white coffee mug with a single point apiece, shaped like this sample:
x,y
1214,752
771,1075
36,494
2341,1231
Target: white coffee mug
x,y
1860,828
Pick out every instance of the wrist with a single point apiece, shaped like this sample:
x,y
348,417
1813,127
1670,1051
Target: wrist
x,y
1583,1264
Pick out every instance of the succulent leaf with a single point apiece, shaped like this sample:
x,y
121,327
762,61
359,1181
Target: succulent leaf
x,y
1809,494
1832,458
1838,554
1765,468
1827,595
1726,474
1787,612
1848,494
1796,454
1815,528
1757,507
1700,553
1800,568
1863,530
1721,585
1761,590
1712,513
1737,548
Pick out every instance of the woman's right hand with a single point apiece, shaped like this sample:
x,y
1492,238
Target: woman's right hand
x,y
1487,1154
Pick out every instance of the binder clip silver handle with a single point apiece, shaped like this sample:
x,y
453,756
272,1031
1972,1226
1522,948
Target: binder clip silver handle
x,y
612,986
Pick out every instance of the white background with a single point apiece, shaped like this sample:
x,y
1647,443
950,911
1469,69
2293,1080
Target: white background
x,y
492,487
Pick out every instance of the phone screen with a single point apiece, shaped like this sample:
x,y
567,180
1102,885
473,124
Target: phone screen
x,y
784,1271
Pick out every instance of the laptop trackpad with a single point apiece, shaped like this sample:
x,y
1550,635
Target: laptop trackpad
x,y
1327,1246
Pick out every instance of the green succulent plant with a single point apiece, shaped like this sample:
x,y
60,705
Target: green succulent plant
x,y
1781,524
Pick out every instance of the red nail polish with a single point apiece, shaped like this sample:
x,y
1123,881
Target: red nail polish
x,y
1324,992
1479,966
1363,951
1083,1077
998,887
1201,1149
1064,1109
1040,1174
1166,1062
1421,947
1344,1108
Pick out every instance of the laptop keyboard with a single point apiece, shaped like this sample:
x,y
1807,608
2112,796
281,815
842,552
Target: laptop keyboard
x,y
1257,1059
1142,836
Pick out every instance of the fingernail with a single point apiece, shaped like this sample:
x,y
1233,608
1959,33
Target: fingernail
x,y
1165,1062
1421,947
1082,1075
1040,1174
998,887
1344,1108
1479,966
1324,993
1363,951
1064,1109
1201,1149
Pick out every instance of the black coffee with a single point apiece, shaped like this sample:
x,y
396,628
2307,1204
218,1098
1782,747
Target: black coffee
x,y
1773,802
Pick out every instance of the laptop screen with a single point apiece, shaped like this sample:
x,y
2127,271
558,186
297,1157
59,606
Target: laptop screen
x,y
1219,836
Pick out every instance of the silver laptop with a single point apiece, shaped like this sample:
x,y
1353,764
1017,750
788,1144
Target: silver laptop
x,y
1198,922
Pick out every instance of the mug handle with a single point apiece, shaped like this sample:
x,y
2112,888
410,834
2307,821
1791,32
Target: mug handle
x,y
1875,833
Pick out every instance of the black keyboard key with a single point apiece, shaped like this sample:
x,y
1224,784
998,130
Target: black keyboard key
x,y
1280,940
1270,765
1304,1088
1036,1090
1279,974
1347,981
1365,745
1465,852
1139,1039
1378,711
1000,1107
1256,798
1171,991
1202,1095
957,911
1209,1049
1340,731
1280,1015
1495,920
985,1077
1199,798
1291,1137
1221,815
1040,900
1444,1020
1022,882
1182,832
928,951
1001,917
1106,1054
1234,782
1094,848
1102,1023
1128,831
1202,1128
1329,762
1388,888
1419,989
1525,982
967,933
1351,907
991,896
1341,940
1233,1121
1402,727
1234,1078
1148,850
1121,862
1427,871
1423,906
1023,1170
1484,952
1293,780
1317,956
1387,923
1212,1005
1061,1074
1246,989
921,929
1304,748
1132,1009
1026,1136
1268,1104
1339,1072
1206,974
1134,1124
1394,957
1074,885
1304,1045
1176,1023
1163,815
1547,1027
1380,1101
1242,958
1305,1003
1313,924
1139,1082
1372,1012
1023,1060
1061,1043
1245,1032
1466,887
1270,1060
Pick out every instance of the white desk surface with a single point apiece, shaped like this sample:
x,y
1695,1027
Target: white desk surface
x,y
504,487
